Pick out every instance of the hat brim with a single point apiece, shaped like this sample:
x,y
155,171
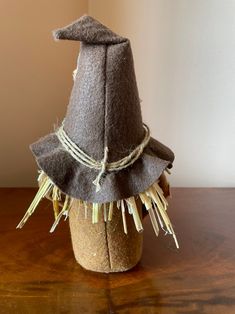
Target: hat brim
x,y
75,179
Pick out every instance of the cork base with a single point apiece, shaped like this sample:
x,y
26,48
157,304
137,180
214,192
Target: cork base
x,y
103,246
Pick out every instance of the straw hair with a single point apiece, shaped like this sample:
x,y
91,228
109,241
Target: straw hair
x,y
153,200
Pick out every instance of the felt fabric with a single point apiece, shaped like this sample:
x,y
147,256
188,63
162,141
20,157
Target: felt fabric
x,y
90,31
104,110
103,246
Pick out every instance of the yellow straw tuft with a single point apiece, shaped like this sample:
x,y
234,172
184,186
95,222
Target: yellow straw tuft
x,y
153,199
44,188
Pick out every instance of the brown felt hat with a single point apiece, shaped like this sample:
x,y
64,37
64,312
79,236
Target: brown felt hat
x,y
103,111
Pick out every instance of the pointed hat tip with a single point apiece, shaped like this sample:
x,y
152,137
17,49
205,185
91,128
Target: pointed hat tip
x,y
88,30
58,33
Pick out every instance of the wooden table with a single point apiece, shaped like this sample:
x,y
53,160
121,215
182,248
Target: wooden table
x,y
38,273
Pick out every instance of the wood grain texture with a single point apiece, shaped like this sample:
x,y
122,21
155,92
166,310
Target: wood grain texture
x,y
38,272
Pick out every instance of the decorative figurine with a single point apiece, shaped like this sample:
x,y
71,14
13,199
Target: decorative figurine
x,y
101,168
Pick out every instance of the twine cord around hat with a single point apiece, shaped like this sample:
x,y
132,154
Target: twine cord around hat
x,y
103,166
96,182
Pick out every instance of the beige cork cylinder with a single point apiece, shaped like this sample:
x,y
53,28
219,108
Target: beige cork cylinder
x,y
103,246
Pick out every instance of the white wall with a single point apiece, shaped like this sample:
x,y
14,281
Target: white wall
x,y
184,52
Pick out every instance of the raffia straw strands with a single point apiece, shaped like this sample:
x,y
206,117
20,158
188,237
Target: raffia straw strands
x,y
41,176
95,212
159,218
66,213
161,195
153,194
105,211
64,210
154,221
148,205
129,209
160,211
124,216
131,202
45,187
145,200
153,200
110,215
55,199
118,204
168,171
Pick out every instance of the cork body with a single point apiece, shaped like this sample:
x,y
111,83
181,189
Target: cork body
x,y
103,246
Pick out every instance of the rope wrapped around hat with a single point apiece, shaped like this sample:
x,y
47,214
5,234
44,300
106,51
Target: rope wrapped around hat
x,y
103,166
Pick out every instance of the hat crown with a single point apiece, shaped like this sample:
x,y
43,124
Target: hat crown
x,y
104,107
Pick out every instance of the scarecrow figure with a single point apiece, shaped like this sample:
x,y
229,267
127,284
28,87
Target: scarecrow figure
x,y
101,166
